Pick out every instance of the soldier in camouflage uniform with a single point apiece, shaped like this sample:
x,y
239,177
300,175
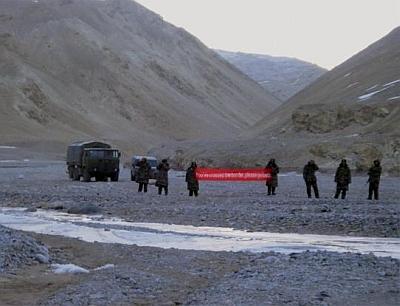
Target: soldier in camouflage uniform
x,y
342,179
143,175
310,178
273,182
374,174
162,177
191,180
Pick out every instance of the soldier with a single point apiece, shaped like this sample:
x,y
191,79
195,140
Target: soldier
x,y
342,179
162,177
310,178
374,174
273,182
191,180
143,174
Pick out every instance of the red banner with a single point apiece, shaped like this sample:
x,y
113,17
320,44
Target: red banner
x,y
257,174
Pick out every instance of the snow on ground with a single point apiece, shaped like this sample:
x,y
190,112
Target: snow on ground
x,y
372,87
14,161
368,96
394,98
352,85
352,135
384,87
74,269
7,147
67,268
105,267
391,83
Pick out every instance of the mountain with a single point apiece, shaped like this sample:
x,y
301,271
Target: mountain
x,y
282,76
350,112
368,81
113,70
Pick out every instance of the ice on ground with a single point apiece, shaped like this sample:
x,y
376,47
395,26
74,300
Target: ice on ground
x,y
67,268
105,267
7,147
352,135
394,98
187,237
292,173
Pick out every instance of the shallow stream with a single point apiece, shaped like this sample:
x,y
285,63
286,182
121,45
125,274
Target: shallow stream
x,y
186,237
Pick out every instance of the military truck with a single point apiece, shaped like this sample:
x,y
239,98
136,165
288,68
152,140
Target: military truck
x,y
92,159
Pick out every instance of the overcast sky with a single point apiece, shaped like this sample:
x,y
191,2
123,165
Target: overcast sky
x,y
325,32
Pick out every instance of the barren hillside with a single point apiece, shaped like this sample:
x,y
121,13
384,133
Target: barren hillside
x,y
366,83
282,76
350,112
116,71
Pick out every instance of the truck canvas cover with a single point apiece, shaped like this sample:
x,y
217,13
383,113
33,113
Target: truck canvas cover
x,y
75,150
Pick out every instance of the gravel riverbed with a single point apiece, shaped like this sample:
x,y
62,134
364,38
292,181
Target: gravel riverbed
x,y
236,205
145,275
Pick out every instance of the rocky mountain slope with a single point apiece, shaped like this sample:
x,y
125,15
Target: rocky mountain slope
x,y
116,71
282,76
350,112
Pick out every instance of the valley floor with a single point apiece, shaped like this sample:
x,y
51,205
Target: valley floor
x,y
145,275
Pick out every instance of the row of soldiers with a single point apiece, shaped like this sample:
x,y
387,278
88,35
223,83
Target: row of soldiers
x,y
143,177
342,179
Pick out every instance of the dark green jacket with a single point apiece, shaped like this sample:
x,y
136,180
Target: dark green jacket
x,y
162,175
309,173
375,174
191,180
274,173
343,176
143,173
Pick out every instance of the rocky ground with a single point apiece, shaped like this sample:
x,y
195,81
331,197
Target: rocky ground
x,y
17,249
144,275
236,205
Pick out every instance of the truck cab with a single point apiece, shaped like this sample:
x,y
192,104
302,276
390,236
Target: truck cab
x,y
101,164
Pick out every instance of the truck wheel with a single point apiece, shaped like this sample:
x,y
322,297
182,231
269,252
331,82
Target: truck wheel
x,y
86,176
75,174
70,173
114,177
